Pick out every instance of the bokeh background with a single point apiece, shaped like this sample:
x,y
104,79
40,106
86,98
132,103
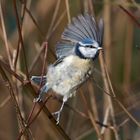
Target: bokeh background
x,y
26,26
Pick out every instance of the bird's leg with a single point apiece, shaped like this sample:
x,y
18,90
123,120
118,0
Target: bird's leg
x,y
58,113
43,90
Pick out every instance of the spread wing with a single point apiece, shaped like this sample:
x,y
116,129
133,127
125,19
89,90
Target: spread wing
x,y
65,48
82,27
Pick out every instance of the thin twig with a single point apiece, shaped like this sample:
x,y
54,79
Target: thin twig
x,y
34,21
21,120
68,10
45,45
120,104
53,18
31,121
130,15
5,37
43,71
18,44
91,117
13,73
123,123
93,100
5,101
31,113
48,36
57,23
106,116
20,36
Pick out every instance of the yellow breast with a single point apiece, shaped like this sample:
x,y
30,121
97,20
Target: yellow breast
x,y
77,62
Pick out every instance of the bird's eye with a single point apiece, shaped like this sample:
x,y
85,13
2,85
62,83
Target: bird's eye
x,y
90,46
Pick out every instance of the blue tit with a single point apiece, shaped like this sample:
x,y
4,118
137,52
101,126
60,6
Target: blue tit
x,y
79,46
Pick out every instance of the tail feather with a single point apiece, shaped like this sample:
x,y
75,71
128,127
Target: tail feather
x,y
39,80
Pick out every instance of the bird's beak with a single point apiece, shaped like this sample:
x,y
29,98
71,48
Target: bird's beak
x,y
100,48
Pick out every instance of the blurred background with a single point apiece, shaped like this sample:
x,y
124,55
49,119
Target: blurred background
x,y
25,27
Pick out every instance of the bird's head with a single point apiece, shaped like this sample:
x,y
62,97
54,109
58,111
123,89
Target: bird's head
x,y
87,49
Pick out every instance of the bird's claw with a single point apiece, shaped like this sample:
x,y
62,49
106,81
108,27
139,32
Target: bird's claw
x,y
37,100
57,114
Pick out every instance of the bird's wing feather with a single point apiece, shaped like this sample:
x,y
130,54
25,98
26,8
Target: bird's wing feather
x,y
58,61
64,48
82,27
39,79
92,26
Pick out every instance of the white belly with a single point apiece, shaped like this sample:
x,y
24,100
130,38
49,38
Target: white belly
x,y
66,76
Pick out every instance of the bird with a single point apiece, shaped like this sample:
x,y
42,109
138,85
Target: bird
x,y
80,44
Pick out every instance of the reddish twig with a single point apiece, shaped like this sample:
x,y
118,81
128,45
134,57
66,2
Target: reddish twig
x,y
21,120
20,36
34,21
7,67
93,122
48,37
120,104
44,62
30,122
5,36
18,46
43,70
130,15
31,113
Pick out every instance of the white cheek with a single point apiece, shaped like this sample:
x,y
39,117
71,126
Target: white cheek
x,y
88,52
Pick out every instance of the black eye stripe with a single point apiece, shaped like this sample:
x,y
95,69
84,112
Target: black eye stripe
x,y
90,46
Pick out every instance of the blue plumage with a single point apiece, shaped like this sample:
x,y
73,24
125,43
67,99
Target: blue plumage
x,y
82,28
87,41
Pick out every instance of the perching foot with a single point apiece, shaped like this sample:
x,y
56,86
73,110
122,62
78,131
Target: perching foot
x,y
38,99
57,114
43,90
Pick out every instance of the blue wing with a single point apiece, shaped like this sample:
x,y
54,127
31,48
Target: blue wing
x,y
65,48
38,79
82,27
